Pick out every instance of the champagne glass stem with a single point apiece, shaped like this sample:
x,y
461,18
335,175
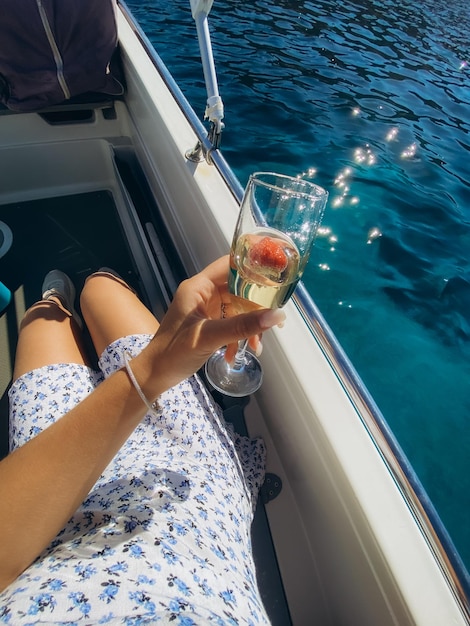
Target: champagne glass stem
x,y
239,360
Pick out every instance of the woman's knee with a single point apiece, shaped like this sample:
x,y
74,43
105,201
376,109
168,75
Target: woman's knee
x,y
102,285
51,309
111,310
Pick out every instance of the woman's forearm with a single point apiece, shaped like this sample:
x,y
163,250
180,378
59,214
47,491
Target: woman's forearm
x,y
45,481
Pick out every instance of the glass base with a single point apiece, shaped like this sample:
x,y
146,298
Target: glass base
x,y
236,382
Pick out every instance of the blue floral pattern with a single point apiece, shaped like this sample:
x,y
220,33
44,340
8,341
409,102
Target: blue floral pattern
x,y
164,535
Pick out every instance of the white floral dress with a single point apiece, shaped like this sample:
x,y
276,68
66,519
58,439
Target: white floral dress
x,y
164,535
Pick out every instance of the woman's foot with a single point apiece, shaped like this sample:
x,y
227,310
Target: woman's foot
x,y
57,286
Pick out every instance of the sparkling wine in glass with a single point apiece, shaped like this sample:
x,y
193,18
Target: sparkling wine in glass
x,y
277,224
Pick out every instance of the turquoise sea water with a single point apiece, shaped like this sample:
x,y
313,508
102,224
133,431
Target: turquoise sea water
x,y
370,99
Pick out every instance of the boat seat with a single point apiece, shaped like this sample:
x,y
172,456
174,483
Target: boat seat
x,y
78,109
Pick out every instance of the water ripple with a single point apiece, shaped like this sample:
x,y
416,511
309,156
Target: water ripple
x,y
382,88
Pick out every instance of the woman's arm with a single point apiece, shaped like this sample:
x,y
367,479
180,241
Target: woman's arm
x,y
43,482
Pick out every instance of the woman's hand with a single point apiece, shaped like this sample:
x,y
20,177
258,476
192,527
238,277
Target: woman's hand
x,y
193,328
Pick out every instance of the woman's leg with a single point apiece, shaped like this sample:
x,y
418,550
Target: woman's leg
x,y
48,334
112,310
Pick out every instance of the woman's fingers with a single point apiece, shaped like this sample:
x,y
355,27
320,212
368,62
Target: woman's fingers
x,y
201,319
217,272
230,352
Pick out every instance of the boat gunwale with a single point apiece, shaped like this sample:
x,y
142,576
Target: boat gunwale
x,y
400,468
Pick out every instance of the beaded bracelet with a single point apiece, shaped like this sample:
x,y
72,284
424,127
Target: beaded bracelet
x,y
152,406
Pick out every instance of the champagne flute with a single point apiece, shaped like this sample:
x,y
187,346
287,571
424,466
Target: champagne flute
x,y
277,224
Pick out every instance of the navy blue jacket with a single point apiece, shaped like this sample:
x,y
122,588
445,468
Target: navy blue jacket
x,y
53,50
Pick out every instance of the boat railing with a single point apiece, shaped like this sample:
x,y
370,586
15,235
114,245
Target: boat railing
x,y
406,479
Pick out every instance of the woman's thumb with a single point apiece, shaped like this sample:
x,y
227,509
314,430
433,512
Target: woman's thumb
x,y
243,326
